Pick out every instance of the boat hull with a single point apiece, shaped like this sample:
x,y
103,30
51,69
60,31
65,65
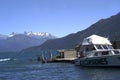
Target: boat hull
x,y
103,61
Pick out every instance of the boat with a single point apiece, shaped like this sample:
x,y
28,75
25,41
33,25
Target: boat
x,y
97,51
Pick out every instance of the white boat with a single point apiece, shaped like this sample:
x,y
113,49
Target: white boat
x,y
97,51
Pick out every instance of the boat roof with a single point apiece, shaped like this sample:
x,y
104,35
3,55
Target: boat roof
x,y
95,39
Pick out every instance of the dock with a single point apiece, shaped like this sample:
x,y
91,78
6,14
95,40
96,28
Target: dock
x,y
64,56
66,60
67,56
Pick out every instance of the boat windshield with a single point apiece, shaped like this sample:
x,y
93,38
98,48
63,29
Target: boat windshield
x,y
104,47
99,47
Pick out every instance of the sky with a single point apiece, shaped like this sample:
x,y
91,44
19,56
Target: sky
x,y
57,17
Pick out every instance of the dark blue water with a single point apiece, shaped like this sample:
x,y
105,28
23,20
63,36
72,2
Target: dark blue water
x,y
17,69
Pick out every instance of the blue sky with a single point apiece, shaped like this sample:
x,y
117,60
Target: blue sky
x,y
58,17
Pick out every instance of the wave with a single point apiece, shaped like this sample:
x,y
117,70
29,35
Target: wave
x,y
6,59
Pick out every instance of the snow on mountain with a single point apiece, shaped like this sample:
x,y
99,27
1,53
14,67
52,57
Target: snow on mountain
x,y
19,41
12,34
39,34
34,34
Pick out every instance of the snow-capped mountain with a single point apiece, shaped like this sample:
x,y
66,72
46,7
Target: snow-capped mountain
x,y
18,41
39,34
34,34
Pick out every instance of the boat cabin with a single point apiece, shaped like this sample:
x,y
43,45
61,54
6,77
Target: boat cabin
x,y
95,46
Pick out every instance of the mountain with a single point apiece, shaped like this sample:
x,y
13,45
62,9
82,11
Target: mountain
x,y
34,34
109,28
19,41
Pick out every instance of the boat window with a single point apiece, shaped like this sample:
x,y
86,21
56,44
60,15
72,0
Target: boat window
x,y
116,52
110,47
90,48
105,47
82,48
105,53
98,46
93,48
96,54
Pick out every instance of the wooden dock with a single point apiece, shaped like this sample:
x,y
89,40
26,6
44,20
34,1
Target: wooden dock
x,y
65,56
67,60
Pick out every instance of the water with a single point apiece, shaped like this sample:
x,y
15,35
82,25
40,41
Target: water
x,y
26,70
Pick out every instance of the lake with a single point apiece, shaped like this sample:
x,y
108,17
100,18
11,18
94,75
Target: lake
x,y
17,69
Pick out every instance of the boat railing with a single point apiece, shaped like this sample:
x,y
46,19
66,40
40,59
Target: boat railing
x,y
107,52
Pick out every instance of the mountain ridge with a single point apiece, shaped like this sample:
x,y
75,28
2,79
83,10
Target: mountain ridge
x,y
108,27
30,34
18,41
